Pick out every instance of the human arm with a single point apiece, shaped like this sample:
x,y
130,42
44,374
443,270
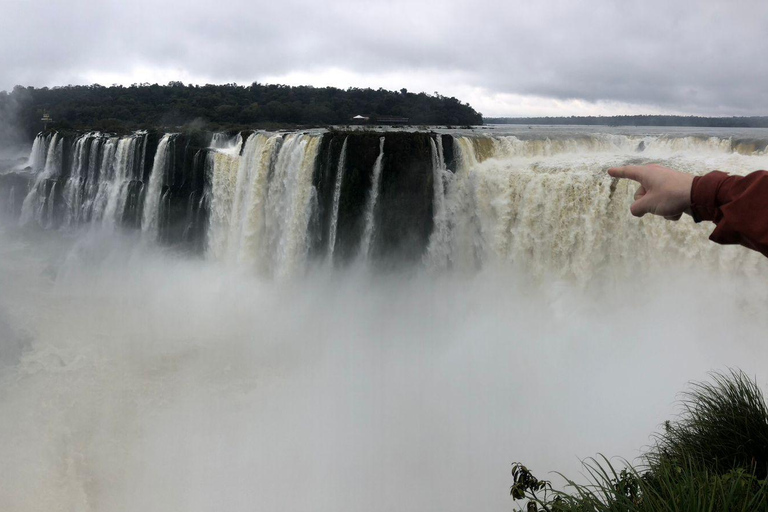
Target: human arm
x,y
737,204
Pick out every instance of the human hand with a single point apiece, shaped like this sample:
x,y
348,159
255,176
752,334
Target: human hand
x,y
662,191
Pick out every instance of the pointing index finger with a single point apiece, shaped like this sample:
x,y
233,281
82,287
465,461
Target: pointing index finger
x,y
632,172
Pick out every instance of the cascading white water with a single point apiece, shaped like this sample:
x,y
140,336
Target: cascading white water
x,y
125,167
370,205
557,211
437,256
220,140
456,236
99,191
336,199
92,177
39,200
150,222
36,160
239,187
74,186
261,202
289,201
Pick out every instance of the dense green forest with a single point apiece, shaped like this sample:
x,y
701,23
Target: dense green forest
x,y
230,105
694,121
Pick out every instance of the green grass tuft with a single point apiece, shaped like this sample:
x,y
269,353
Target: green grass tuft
x,y
714,457
724,424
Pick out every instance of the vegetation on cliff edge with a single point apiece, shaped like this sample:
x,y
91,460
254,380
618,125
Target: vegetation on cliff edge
x,y
119,108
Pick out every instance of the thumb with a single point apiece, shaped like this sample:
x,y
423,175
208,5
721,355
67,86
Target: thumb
x,y
641,206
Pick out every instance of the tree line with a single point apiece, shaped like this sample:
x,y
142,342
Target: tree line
x,y
117,107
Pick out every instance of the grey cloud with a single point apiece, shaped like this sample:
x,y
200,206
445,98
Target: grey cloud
x,y
698,57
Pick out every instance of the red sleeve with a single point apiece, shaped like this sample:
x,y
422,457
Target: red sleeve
x,y
737,204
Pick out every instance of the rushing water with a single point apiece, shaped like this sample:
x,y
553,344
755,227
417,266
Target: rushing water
x,y
336,198
152,215
542,323
370,206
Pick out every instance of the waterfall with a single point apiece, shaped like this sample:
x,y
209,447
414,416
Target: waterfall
x,y
540,203
437,256
239,188
85,152
370,206
289,203
92,177
49,207
98,191
36,159
126,168
456,240
337,199
220,140
38,198
150,222
550,212
261,202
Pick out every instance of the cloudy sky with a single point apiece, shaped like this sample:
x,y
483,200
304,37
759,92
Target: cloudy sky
x,y
505,58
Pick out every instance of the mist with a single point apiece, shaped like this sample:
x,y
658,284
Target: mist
x,y
141,379
14,145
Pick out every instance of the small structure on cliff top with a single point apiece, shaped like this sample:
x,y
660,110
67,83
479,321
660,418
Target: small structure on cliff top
x,y
46,119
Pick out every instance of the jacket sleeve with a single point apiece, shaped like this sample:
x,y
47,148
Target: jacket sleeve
x,y
737,204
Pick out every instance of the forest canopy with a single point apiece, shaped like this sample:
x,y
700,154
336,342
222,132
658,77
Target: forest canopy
x,y
117,107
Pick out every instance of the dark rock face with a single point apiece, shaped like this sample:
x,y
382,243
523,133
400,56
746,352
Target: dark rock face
x,y
404,215
403,212
324,182
185,209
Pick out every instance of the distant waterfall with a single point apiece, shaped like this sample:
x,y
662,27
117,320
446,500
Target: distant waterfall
x,y
221,140
98,189
239,188
437,251
86,156
150,222
37,156
38,205
128,168
370,207
337,199
261,202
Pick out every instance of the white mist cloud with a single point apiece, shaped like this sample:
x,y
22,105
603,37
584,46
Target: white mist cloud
x,y
149,382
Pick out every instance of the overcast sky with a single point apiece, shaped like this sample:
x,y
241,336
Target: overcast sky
x,y
505,58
